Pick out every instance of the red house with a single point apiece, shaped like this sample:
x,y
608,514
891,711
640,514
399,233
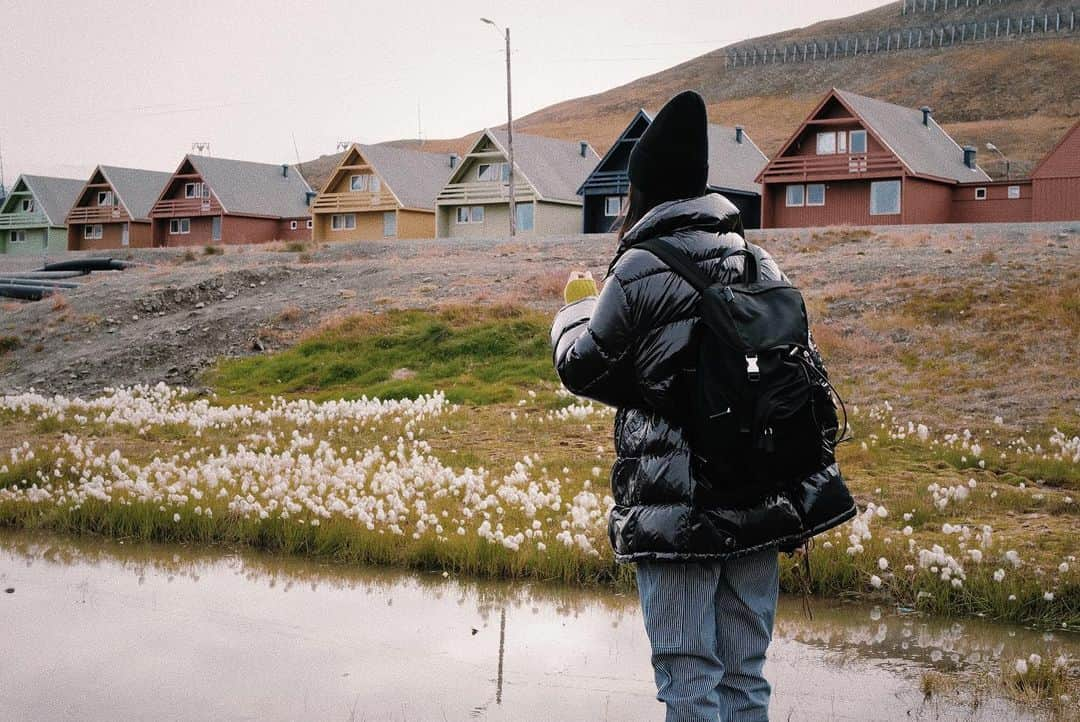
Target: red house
x,y
112,211
215,200
1055,182
860,161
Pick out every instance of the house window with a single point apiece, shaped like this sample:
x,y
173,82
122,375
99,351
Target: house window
x,y
28,205
815,194
375,185
104,198
215,228
196,190
93,232
1014,192
18,236
826,143
493,171
795,196
293,225
389,224
612,206
310,224
980,194
359,183
343,221
505,172
524,212
885,198
857,142
179,226
841,142
470,214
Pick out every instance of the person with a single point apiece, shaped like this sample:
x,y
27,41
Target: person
x,y
706,565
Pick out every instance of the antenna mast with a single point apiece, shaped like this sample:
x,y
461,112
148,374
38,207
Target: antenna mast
x,y
201,147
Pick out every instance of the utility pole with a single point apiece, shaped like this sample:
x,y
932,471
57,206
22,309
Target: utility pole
x,y
509,131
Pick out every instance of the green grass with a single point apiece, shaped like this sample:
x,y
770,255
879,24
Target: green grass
x,y
478,355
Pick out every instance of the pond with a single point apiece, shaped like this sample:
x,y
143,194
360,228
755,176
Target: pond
x,y
97,630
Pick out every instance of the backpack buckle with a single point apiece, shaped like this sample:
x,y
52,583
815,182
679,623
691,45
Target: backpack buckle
x,y
752,371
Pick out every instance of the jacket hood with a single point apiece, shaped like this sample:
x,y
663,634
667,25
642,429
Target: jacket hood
x,y
710,212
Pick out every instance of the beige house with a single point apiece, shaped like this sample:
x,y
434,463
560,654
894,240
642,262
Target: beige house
x,y
380,191
475,203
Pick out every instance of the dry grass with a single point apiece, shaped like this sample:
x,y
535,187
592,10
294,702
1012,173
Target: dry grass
x,y
59,302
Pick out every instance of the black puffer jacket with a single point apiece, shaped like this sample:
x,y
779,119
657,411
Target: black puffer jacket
x,y
629,347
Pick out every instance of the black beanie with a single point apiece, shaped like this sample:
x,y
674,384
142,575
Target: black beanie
x,y
671,159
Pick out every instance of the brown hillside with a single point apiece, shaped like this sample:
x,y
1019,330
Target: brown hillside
x,y
1019,94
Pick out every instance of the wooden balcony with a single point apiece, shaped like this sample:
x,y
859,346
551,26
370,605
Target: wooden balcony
x,y
23,220
185,207
616,181
357,201
97,214
840,166
483,192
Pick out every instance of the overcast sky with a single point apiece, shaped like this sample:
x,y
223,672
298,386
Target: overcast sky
x,y
136,82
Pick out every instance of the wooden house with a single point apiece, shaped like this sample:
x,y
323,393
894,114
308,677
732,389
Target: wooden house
x,y
380,191
860,161
32,216
216,200
113,209
734,163
474,203
1055,181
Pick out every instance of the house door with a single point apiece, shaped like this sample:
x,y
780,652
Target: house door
x,y
124,238
215,228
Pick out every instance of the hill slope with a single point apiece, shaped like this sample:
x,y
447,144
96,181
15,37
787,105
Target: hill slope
x,y
1020,94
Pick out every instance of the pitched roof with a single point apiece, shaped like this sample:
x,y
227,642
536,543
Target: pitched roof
x,y
1039,168
555,167
414,176
56,195
924,149
733,166
137,189
257,189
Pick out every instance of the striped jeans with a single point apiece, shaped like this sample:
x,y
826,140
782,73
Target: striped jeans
x,y
709,624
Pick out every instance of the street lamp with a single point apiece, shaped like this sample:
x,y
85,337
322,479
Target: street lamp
x,y
509,127
994,149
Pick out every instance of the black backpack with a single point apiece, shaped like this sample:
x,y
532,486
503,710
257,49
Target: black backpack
x,y
764,416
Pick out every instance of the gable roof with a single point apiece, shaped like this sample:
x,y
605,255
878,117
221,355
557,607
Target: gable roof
x,y
641,116
56,195
414,176
732,166
255,189
555,168
136,189
924,149
1065,139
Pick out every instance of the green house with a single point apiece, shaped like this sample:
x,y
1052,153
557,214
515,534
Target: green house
x,y
32,216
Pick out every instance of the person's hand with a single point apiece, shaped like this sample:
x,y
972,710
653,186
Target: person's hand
x,y
579,286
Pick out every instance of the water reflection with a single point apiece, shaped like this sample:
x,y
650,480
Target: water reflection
x,y
270,637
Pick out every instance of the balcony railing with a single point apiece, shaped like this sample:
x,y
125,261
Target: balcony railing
x,y
353,201
483,192
618,178
832,167
186,207
23,220
97,214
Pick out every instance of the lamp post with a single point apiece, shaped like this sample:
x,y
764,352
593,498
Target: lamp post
x,y
509,127
994,149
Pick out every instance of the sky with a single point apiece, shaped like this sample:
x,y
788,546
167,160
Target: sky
x,y
136,82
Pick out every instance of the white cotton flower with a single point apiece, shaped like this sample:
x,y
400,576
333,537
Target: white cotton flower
x,y
875,581
1021,666
999,575
176,517
883,563
1063,567
907,531
1012,597
1048,596
976,555
1035,661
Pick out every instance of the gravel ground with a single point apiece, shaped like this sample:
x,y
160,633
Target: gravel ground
x,y
175,311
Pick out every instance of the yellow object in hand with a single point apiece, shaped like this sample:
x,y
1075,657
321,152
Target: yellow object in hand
x,y
580,285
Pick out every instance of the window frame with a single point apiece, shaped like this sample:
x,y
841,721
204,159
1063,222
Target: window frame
x,y
105,198
899,198
806,194
28,205
341,222
354,187
182,226
787,195
822,135
980,193
192,191
851,141
607,206
17,236
389,229
480,167
310,224
1014,193
293,225
93,232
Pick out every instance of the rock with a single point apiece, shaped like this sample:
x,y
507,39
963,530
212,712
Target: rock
x,y
200,304
257,344
347,293
134,318
230,296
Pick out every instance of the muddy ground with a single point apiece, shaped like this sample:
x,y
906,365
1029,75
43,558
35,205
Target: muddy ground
x,y
175,311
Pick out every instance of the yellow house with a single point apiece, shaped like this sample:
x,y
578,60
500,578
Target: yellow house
x,y
378,192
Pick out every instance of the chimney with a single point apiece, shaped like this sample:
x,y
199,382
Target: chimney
x,y
738,133
584,148
969,156
284,170
308,195
453,160
925,115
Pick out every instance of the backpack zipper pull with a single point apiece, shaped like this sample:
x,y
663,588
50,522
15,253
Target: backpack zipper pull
x,y
729,296
752,370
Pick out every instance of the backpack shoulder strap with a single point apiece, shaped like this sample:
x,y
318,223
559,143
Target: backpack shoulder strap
x,y
679,262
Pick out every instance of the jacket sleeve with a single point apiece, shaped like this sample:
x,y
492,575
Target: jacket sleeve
x,y
592,340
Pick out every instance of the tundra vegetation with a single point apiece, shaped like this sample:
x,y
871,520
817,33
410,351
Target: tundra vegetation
x,y
442,440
